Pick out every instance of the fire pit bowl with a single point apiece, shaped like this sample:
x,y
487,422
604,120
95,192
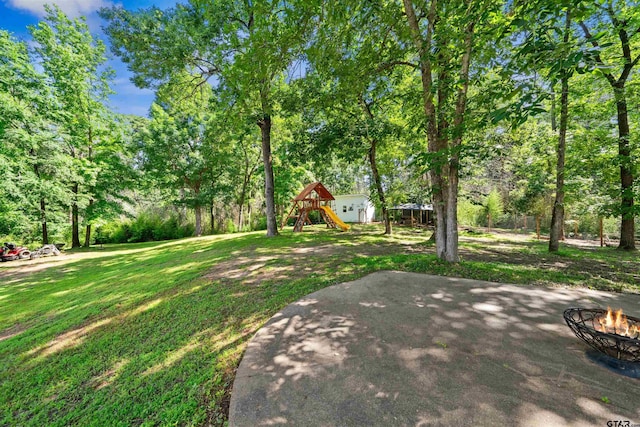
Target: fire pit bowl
x,y
585,323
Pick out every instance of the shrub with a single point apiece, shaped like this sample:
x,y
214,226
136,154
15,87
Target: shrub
x,y
493,207
261,223
229,226
468,212
146,227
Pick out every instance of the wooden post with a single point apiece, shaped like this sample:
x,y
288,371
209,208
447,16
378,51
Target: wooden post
x,y
489,220
411,217
575,230
538,226
601,232
525,223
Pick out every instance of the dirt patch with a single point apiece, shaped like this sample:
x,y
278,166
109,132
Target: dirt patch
x,y
512,250
501,247
13,331
300,261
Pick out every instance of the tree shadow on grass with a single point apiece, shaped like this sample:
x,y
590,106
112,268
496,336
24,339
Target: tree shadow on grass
x,y
155,336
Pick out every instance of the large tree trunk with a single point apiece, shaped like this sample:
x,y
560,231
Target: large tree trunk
x,y
627,229
43,220
75,231
451,254
440,233
557,215
451,248
443,171
269,184
423,47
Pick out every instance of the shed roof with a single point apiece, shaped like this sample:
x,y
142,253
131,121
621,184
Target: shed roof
x,y
323,193
412,207
340,196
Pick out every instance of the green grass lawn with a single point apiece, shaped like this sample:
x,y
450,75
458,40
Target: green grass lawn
x,y
151,334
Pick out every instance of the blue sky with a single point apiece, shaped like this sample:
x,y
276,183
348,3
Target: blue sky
x,y
16,15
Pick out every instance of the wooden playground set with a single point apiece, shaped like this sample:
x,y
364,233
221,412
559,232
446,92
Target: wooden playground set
x,y
314,197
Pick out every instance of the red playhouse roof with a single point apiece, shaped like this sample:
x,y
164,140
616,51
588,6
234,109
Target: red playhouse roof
x,y
323,193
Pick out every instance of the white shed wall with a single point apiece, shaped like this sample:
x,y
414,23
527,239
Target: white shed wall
x,y
353,208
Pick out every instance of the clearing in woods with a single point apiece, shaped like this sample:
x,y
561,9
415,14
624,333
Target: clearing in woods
x,y
152,333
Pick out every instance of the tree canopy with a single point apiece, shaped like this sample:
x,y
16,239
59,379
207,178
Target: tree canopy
x,y
491,111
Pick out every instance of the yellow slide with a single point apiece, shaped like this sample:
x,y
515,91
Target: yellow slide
x,y
335,218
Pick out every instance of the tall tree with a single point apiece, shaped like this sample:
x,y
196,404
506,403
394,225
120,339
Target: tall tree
x,y
180,150
445,36
544,52
30,147
621,20
74,64
249,155
351,118
113,169
245,45
557,216
354,53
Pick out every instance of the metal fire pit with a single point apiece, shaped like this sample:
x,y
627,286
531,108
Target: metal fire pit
x,y
583,321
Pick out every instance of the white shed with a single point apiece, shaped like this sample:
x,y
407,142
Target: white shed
x,y
353,208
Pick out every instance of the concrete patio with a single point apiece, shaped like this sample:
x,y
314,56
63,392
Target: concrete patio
x,y
396,349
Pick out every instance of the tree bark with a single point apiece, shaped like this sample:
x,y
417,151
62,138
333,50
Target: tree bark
x,y
627,229
212,218
379,189
75,232
601,232
557,215
43,207
451,254
43,220
241,214
373,145
243,192
269,184
454,157
444,169
437,171
554,125
87,234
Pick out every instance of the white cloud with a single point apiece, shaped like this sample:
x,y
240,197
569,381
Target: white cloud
x,y
73,8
